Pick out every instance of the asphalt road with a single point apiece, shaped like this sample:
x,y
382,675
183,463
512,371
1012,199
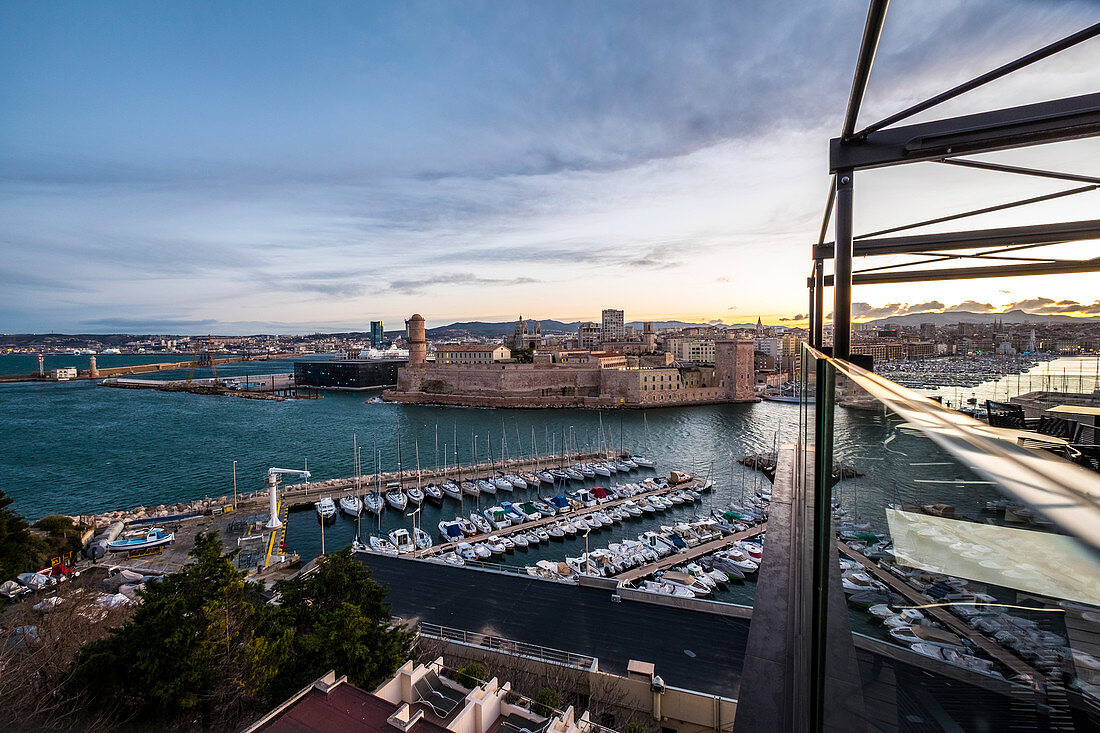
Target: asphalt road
x,y
690,649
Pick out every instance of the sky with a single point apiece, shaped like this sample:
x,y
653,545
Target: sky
x,y
246,167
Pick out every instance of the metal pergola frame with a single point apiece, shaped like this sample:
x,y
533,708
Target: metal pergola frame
x,y
943,141
1008,251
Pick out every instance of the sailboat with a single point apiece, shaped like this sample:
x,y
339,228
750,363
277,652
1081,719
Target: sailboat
x,y
642,460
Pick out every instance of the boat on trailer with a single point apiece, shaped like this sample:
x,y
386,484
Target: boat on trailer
x,y
156,537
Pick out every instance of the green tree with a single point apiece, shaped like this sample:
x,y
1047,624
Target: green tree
x,y
203,647
341,622
471,675
546,702
20,550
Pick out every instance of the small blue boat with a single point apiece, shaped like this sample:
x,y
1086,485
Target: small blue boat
x,y
156,537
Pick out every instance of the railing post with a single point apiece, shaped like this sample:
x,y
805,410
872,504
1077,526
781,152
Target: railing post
x,y
822,538
842,267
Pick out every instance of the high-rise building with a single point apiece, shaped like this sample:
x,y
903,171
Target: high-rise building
x,y
377,334
612,324
588,335
928,331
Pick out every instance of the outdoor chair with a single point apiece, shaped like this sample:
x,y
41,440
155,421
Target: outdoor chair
x,y
1006,415
1059,427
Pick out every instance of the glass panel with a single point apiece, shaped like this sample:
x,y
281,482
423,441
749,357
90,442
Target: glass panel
x,y
969,567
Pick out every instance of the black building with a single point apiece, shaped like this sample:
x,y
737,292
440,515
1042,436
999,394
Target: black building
x,y
350,374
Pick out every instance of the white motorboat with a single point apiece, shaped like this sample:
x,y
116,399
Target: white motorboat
x,y
555,532
451,558
326,508
881,611
646,507
434,493
685,580
155,537
630,463
450,488
657,543
351,505
540,533
382,545
516,481
567,527
532,538
855,582
520,540
396,498
415,495
585,469
755,550
543,508
643,462
481,523
373,503
631,508
467,527
497,517
740,560
450,531
402,540
423,539
666,589
508,542
601,469
495,546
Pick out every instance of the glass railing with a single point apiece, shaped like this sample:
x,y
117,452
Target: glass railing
x,y
969,571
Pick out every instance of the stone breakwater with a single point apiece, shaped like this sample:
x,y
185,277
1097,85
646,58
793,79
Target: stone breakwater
x,y
254,501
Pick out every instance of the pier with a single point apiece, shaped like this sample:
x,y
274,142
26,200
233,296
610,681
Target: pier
x,y
306,494
690,554
527,526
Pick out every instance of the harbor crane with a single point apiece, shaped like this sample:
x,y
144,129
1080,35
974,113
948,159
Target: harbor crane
x,y
273,475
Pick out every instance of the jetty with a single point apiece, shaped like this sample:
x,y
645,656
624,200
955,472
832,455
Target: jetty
x,y
690,554
528,526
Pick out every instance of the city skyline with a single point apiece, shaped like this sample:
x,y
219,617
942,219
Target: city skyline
x,y
303,168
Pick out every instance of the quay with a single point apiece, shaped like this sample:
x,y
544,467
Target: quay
x,y
527,526
165,366
690,554
995,651
306,494
278,387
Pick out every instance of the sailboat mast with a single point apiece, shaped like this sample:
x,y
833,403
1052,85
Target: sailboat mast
x,y
400,474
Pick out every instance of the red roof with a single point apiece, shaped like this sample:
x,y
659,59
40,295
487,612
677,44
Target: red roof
x,y
344,707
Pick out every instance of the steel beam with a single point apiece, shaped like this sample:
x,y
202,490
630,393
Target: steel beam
x,y
1061,45
842,267
1070,231
1014,127
872,31
819,303
973,273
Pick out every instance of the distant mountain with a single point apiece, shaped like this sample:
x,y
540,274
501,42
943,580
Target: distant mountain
x,y
950,319
481,329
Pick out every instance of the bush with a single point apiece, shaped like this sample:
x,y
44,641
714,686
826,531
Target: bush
x,y
635,728
471,675
546,702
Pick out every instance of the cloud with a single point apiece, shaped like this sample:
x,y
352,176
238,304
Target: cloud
x,y
148,324
409,287
971,306
798,317
1049,306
